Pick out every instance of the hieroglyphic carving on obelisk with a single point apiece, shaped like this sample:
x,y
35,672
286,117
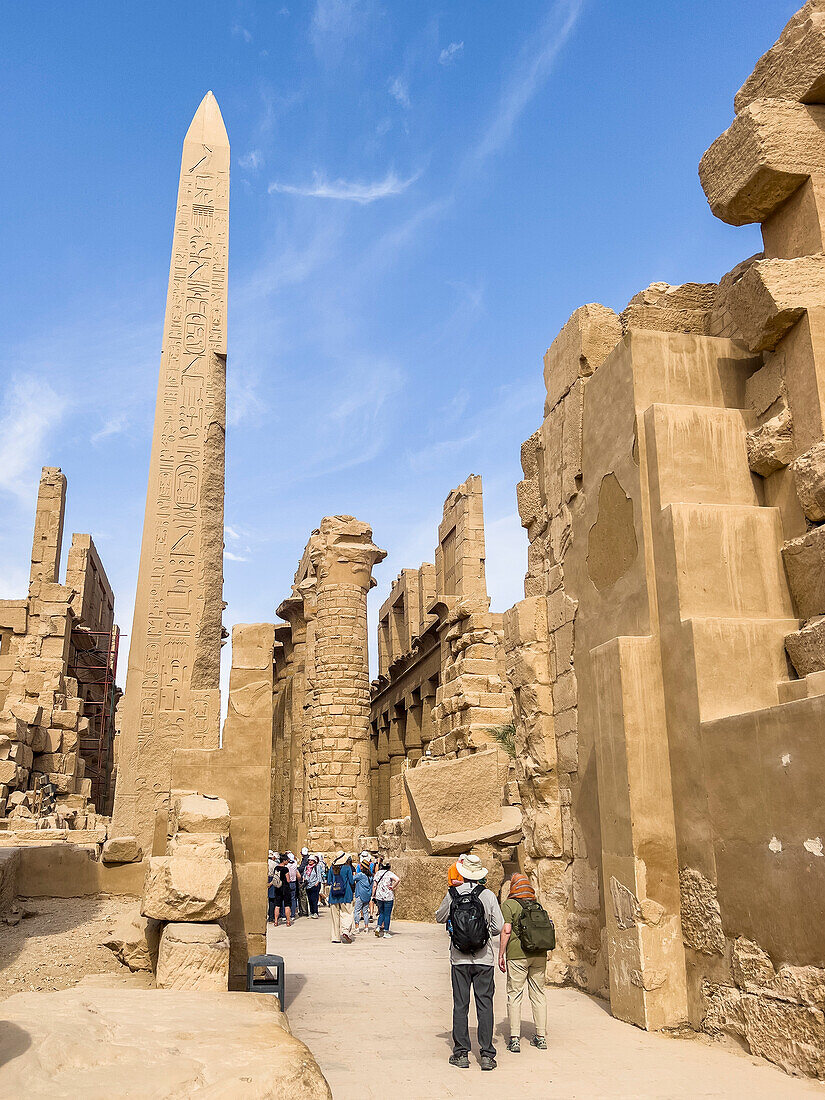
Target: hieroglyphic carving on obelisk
x,y
172,697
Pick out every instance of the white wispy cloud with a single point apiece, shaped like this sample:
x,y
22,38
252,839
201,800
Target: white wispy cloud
x,y
400,92
348,190
229,556
231,533
450,53
532,69
252,160
113,425
33,409
333,23
241,32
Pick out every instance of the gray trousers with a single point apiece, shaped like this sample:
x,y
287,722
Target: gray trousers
x,y
483,982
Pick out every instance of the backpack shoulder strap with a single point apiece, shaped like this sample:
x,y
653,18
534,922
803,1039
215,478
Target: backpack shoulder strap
x,y
477,890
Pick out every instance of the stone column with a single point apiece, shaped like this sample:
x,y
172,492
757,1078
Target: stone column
x,y
342,554
412,731
383,772
172,697
395,748
47,540
427,721
374,818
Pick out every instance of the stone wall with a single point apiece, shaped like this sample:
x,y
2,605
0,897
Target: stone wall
x,y
667,660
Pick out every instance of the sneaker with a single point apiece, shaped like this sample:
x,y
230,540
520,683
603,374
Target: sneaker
x,y
487,1062
315,916
539,1042
388,934
460,1061
514,1045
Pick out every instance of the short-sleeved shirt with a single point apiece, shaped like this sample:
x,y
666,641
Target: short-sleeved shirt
x,y
511,911
363,885
292,871
385,883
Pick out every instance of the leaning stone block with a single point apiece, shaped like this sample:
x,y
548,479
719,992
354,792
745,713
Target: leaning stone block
x,y
771,295
794,67
804,560
120,849
806,647
193,956
27,712
770,446
768,151
809,474
182,888
134,940
583,344
198,813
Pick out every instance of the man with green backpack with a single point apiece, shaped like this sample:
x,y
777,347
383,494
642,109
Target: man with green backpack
x,y
527,936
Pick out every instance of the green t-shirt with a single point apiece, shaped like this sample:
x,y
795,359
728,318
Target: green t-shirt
x,y
511,911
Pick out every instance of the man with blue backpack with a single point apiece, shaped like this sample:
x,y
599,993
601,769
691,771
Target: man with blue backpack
x,y
474,919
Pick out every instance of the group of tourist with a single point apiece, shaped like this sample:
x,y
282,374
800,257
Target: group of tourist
x,y
357,895
294,887
474,918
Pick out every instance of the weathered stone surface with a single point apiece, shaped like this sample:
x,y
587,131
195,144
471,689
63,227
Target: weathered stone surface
x,y
771,295
506,831
583,344
199,845
794,67
181,888
809,473
198,813
770,446
154,1044
193,956
701,917
792,1036
771,147
670,308
453,796
804,560
121,849
134,940
806,647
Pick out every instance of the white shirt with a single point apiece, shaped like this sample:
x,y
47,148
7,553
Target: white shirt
x,y
385,882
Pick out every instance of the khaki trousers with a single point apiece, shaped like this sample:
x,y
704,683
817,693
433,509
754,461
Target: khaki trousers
x,y
530,971
341,915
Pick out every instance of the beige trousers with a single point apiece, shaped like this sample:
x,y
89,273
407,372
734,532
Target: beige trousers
x,y
530,971
341,916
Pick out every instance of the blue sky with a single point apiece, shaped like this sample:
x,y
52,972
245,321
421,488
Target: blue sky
x,y
421,195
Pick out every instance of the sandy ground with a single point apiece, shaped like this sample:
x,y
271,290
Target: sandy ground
x,y
377,1015
59,945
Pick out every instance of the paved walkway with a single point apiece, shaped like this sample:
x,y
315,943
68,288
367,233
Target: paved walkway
x,y
377,1015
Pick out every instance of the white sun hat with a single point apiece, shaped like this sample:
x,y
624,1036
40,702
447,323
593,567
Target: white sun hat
x,y
471,868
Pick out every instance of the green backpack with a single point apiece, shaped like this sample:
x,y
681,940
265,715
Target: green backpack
x,y
535,929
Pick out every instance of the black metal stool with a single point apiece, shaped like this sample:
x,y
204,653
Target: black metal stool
x,y
267,984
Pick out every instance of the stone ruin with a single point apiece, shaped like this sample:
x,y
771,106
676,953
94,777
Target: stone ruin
x,y
641,733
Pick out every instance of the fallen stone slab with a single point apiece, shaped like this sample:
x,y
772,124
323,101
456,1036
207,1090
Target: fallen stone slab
x,y
198,813
134,940
103,1042
505,831
193,956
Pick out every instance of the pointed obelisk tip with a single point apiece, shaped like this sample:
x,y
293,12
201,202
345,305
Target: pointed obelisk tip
x,y
207,126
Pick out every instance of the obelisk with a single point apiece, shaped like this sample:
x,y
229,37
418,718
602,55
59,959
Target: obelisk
x,y
172,697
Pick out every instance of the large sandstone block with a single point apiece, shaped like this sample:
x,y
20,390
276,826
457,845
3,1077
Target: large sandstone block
x,y
794,67
423,883
198,813
768,151
182,888
804,560
120,849
193,956
806,647
455,795
134,940
809,474
770,446
198,845
771,295
669,308
583,344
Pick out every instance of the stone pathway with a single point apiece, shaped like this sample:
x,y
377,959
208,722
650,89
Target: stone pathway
x,y
377,1016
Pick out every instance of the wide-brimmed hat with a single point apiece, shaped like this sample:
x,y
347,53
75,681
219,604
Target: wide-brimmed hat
x,y
305,851
470,867
339,858
365,856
